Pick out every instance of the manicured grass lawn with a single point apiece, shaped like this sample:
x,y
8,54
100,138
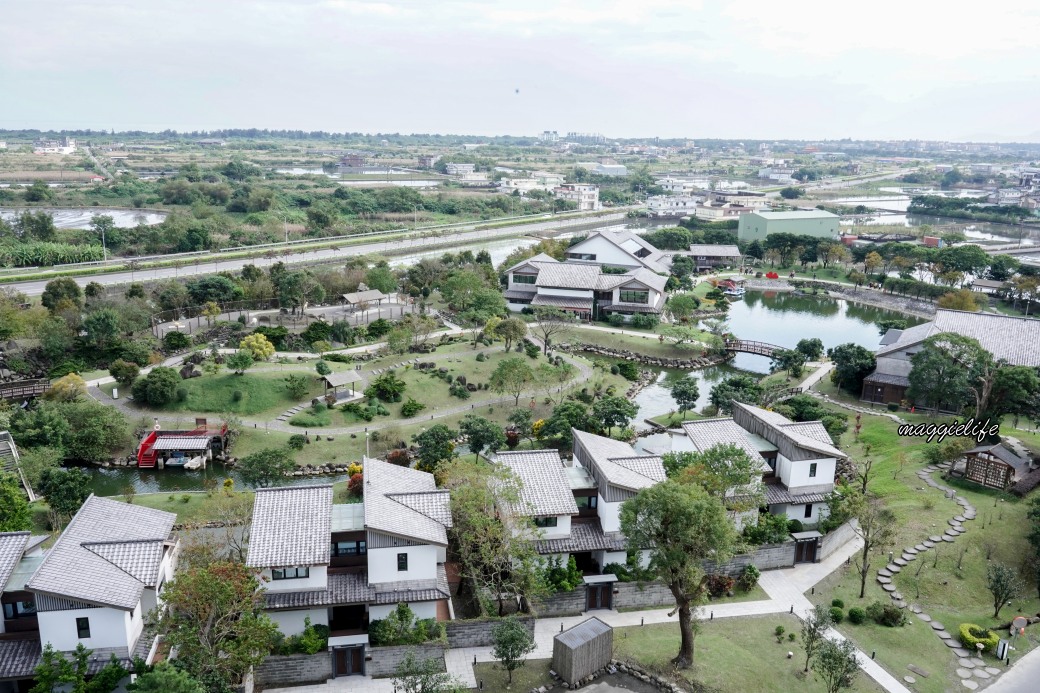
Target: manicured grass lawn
x,y
313,418
733,654
533,674
199,507
640,342
675,419
343,449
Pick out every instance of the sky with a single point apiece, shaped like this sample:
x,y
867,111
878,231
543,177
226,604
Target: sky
x,y
913,69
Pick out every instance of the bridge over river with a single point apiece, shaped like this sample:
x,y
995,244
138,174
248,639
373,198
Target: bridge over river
x,y
749,347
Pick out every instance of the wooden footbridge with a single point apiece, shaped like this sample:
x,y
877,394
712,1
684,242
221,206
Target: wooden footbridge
x,y
748,347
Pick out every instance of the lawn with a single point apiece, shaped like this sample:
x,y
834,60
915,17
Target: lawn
x,y
533,674
646,343
733,654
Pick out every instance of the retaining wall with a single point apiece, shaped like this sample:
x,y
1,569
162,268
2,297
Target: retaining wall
x,y
294,670
477,632
385,660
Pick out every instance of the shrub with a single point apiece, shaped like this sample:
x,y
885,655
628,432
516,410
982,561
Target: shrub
x,y
838,603
297,441
157,388
481,357
771,529
779,633
458,390
748,577
66,367
616,319
356,485
857,615
400,627
795,526
411,407
837,614
644,321
531,349
182,394
719,584
972,635
628,370
400,457
339,358
560,577
236,396
888,615
174,341
893,406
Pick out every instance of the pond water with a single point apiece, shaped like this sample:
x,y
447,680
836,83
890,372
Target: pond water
x,y
79,217
111,481
777,318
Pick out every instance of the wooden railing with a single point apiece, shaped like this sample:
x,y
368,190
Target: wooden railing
x,y
22,389
748,347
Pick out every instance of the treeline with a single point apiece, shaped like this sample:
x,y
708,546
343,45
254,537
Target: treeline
x,y
966,208
679,238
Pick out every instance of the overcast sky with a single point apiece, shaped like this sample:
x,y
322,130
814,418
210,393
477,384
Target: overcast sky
x,y
624,68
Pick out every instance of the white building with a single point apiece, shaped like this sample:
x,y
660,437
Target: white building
x,y
610,169
455,169
585,196
677,186
672,205
777,173
620,249
65,145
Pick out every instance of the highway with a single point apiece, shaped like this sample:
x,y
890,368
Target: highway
x,y
216,263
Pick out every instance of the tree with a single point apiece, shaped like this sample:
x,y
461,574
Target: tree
x,y
613,411
511,644
124,372
790,360
963,299
682,336
791,193
32,461
414,675
381,278
60,290
1003,583
852,363
724,471
210,310
165,678
296,289
553,325
871,262
264,467
67,388
810,348
96,432
39,191
296,385
685,393
322,368
565,417
681,526
215,619
258,346
814,629
387,387
481,435
436,444
512,376
511,330
157,388
14,507
102,327
60,672
240,361
737,388
65,491
876,527
681,306
836,665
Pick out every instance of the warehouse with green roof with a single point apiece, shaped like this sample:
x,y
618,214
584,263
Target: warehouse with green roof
x,y
755,226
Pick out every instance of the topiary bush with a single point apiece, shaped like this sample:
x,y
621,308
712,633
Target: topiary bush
x,y
971,635
297,441
857,615
838,603
837,614
176,340
888,615
616,319
795,526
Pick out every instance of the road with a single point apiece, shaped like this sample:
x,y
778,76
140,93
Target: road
x,y
101,169
215,263
1023,677
853,183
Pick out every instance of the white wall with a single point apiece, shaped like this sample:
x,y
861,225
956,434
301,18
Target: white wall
x,y
561,530
566,293
609,515
796,474
421,610
796,511
108,628
317,580
422,564
606,253
291,622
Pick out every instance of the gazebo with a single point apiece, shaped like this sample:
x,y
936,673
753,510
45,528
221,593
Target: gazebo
x,y
994,466
339,379
359,298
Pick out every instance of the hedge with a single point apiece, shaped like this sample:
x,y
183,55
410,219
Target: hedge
x,y
972,634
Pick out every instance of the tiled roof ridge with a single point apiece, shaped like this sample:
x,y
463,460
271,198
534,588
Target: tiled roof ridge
x,y
292,488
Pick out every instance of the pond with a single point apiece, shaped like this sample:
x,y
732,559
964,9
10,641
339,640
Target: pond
x,y
79,217
777,318
112,480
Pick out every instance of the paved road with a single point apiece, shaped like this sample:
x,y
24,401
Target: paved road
x,y
1024,676
425,239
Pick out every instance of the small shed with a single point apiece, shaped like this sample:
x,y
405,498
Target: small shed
x,y
338,380
994,466
582,650
359,298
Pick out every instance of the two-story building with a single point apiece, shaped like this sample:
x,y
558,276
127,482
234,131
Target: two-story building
x,y
345,565
584,290
584,195
620,250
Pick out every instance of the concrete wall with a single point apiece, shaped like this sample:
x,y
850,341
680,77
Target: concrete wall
x,y
477,632
421,610
292,622
385,660
317,579
766,557
837,538
382,564
294,670
109,628
609,515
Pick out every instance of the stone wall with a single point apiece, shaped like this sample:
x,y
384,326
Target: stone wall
x,y
642,595
657,361
561,604
477,632
765,557
294,670
385,660
836,538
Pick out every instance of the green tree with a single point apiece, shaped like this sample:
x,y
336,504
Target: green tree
x,y
836,665
681,527
14,506
57,291
165,678
65,491
216,621
481,435
1003,583
613,411
264,467
737,388
790,360
511,643
685,393
810,348
682,306
157,388
852,363
296,289
124,372
512,376
511,330
322,368
258,346
296,385
414,675
102,326
937,379
240,361
791,193
57,672
67,388
42,424
724,471
39,191
32,461
876,526
436,444
565,417
553,325
814,631
96,432
381,278
1002,267
387,387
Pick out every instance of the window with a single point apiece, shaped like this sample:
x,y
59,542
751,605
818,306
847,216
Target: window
x,y
523,279
290,573
585,502
402,561
812,470
545,521
82,628
349,548
808,510
634,296
19,609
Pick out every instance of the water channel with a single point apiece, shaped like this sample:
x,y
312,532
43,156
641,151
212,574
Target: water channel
x,y
79,217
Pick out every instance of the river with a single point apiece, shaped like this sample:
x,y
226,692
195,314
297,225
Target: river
x,y
79,217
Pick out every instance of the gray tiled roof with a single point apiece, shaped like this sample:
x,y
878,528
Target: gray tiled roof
x,y
341,589
887,378
651,279
891,336
1013,339
797,433
813,429
140,559
562,301
566,275
540,257
777,494
73,571
517,293
618,462
19,658
391,506
579,635
714,250
707,433
439,591
585,536
12,546
544,486
1001,453
291,527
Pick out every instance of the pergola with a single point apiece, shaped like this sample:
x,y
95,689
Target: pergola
x,y
338,380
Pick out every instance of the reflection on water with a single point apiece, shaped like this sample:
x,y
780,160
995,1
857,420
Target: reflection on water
x,y
80,217
111,481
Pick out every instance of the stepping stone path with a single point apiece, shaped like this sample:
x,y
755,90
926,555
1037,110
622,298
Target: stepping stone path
x,y
909,557
918,670
935,539
961,652
884,580
915,609
922,548
884,572
911,551
927,543
977,661
888,588
993,671
938,626
966,663
892,568
896,596
970,685
963,673
910,679
900,562
981,674
924,617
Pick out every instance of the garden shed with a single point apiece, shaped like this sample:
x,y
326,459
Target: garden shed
x,y
994,466
582,650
